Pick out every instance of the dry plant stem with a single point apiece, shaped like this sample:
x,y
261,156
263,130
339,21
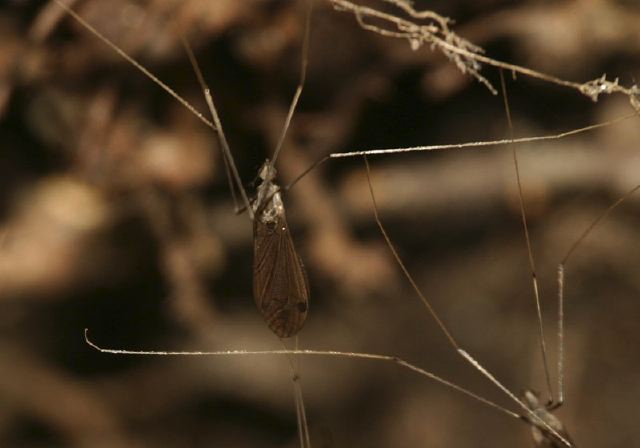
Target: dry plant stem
x,y
303,75
527,237
528,414
452,45
420,34
561,278
304,352
407,7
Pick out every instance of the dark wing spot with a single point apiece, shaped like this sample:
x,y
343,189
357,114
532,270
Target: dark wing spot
x,y
302,307
271,226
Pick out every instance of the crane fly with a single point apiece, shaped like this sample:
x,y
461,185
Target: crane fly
x,y
281,289
280,285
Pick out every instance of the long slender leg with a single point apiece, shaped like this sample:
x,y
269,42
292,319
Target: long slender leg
x,y
303,429
227,157
528,414
215,125
527,237
561,281
304,62
303,426
303,352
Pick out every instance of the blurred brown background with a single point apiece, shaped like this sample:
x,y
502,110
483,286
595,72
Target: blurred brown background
x,y
115,215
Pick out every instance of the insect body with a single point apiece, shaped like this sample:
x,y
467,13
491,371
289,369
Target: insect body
x,y
542,437
280,285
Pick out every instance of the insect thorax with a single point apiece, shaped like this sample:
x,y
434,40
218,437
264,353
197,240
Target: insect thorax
x,y
268,206
541,436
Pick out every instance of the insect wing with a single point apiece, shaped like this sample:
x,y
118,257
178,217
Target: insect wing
x,y
280,285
